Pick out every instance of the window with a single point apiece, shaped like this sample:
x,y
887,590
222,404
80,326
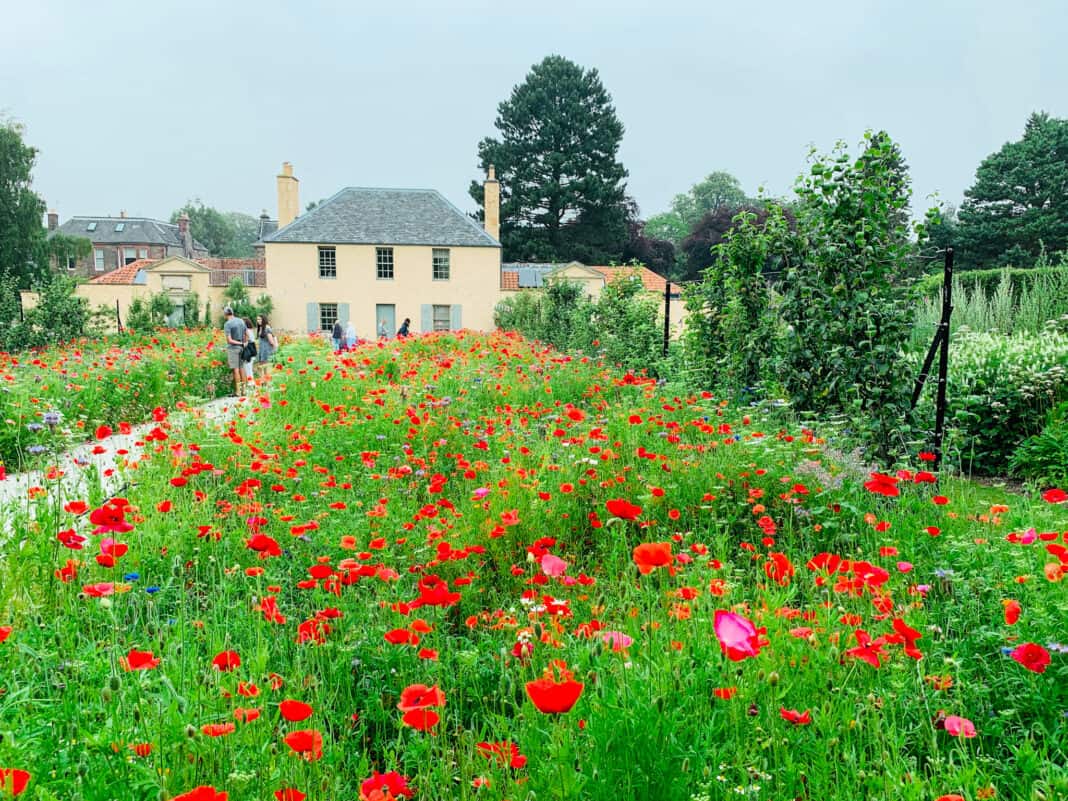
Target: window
x,y
129,255
142,253
384,260
98,260
442,317
328,263
91,226
441,265
72,262
327,315
120,227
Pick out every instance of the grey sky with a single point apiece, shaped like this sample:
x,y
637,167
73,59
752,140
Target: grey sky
x,y
142,105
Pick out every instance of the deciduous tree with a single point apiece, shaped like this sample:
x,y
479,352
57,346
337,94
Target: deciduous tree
x,y
22,237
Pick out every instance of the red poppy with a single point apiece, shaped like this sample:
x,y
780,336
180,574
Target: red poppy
x,y
385,786
13,780
289,794
1032,656
5,632
950,797
218,729
1055,496
246,715
306,743
1012,611
650,555
555,696
103,432
795,717
202,793
725,693
419,696
76,507
504,753
295,711
882,484
141,749
421,719
434,591
779,568
625,510
138,660
226,661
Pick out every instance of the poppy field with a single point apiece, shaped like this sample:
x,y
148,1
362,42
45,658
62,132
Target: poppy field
x,y
468,566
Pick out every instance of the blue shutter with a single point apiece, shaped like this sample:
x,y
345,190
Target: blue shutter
x,y
426,315
343,314
456,321
313,317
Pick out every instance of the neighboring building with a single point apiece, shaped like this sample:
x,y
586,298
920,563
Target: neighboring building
x,y
369,255
119,241
520,276
183,280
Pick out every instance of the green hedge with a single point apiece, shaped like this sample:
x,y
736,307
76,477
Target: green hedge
x,y
989,280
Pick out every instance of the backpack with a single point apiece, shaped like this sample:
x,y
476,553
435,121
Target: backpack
x,y
248,351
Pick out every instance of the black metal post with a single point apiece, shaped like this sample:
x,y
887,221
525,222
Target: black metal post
x,y
667,314
118,318
925,371
943,361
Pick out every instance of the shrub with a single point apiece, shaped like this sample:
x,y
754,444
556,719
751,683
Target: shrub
x,y
1043,457
1000,389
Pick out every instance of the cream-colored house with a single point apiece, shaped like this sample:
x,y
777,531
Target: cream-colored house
x,y
516,277
378,256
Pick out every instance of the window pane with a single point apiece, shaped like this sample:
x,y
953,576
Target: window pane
x,y
384,263
327,316
441,264
442,318
327,262
98,260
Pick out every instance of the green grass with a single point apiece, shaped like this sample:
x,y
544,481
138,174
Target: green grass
x,y
466,457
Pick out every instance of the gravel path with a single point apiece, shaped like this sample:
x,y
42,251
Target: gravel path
x,y
80,468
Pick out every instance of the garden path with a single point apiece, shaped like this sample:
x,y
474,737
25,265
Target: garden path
x,y
79,468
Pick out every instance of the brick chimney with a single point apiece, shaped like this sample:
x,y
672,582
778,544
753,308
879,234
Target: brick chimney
x,y
491,203
288,196
53,219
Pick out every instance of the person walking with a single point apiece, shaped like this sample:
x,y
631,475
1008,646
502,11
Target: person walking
x,y
350,335
403,331
383,330
247,363
234,329
266,341
336,334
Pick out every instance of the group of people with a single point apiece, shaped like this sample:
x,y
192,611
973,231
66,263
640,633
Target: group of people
x,y
239,357
344,337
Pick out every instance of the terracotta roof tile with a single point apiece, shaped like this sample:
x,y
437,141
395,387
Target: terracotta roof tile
x,y
653,282
124,274
510,280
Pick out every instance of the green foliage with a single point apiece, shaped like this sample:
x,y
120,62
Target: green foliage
x,y
560,314
845,301
669,226
22,237
1007,301
226,234
1019,199
59,316
730,331
1043,457
562,190
1001,389
237,296
61,248
147,314
718,190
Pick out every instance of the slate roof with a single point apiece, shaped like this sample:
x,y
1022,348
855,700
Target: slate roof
x,y
525,275
135,231
364,216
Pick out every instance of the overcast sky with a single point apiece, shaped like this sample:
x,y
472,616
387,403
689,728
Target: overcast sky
x,y
139,106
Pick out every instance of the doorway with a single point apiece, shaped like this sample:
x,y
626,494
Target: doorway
x,y
387,312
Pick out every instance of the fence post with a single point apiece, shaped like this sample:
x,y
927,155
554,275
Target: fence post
x,y
118,319
667,314
943,361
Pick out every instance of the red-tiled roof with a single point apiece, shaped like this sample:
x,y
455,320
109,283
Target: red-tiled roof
x,y
653,282
509,280
124,274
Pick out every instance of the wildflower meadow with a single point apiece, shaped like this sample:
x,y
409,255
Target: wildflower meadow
x,y
469,566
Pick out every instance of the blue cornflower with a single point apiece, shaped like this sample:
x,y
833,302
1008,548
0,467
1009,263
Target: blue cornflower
x,y
131,576
152,590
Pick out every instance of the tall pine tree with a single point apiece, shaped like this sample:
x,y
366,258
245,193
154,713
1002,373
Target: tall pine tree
x,y
562,187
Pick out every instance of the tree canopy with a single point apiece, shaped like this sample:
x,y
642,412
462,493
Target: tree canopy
x,y
1019,201
719,190
228,234
22,237
562,186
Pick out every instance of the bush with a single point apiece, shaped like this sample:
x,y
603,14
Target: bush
x,y
1000,389
59,316
1043,458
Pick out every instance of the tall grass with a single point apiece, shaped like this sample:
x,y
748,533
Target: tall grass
x,y
1009,309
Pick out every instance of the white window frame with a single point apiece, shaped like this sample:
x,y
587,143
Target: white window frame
x,y
384,264
329,264
98,259
323,307
435,324
440,266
